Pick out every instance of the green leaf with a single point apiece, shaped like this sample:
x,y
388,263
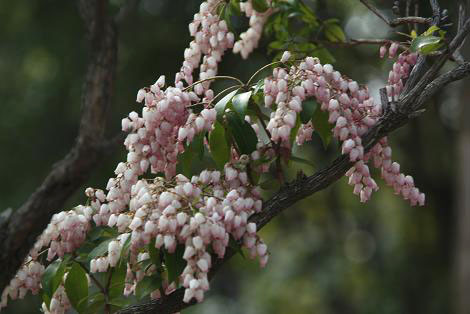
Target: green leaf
x,y
270,184
259,86
253,175
308,109
175,263
194,149
121,302
222,104
324,55
426,44
197,145
240,103
302,161
147,285
185,161
95,303
76,287
53,276
322,126
431,30
117,281
260,5
220,150
102,232
334,33
235,6
125,248
46,299
242,132
154,254
234,245
293,132
100,250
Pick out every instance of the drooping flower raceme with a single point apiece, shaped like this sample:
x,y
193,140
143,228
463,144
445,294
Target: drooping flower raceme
x,y
197,218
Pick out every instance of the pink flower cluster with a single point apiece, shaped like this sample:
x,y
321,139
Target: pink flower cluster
x,y
60,303
28,278
351,112
249,39
211,40
199,213
400,71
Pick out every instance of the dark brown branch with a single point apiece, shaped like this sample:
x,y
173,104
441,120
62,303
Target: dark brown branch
x,y
409,20
19,232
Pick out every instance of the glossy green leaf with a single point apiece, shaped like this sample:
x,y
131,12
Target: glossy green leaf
x,y
259,86
220,150
426,44
293,132
197,145
52,277
175,263
117,281
125,248
240,103
322,126
147,285
431,30
235,6
302,161
334,33
243,134
121,302
76,287
222,104
95,303
154,254
308,109
102,232
260,5
101,249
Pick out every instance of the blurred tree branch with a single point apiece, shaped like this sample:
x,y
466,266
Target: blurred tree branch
x,y
19,229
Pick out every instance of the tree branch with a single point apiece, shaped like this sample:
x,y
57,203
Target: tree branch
x,y
19,230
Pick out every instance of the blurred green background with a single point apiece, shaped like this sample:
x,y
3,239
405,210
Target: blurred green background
x,y
329,253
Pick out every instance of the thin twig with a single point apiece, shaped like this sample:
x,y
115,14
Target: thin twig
x,y
375,11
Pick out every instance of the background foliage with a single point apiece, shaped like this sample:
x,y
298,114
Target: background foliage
x,y
330,254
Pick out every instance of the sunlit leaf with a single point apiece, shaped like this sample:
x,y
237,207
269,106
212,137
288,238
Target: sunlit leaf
x,y
334,33
222,104
431,30
240,103
426,44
